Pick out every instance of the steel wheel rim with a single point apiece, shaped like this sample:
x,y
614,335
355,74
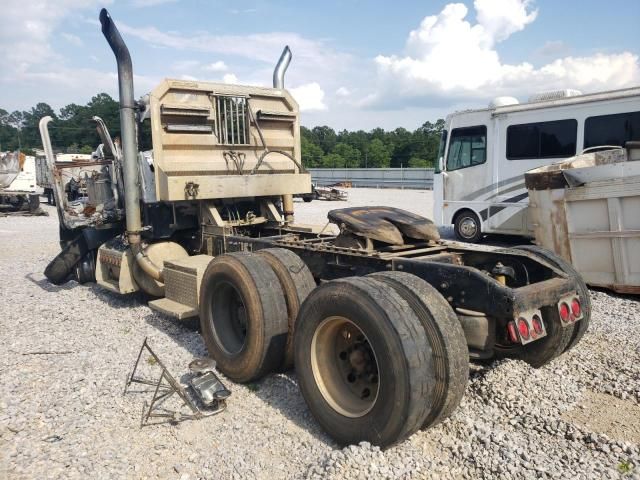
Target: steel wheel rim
x,y
468,227
345,367
229,318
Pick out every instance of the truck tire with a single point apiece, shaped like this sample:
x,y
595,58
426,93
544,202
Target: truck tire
x,y
583,292
446,341
361,362
243,316
467,227
296,282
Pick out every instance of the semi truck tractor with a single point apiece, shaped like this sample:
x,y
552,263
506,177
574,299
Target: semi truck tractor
x,y
379,320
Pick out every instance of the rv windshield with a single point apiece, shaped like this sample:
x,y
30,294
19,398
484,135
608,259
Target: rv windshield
x,y
467,147
439,165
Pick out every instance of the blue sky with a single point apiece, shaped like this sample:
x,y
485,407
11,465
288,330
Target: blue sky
x,y
356,64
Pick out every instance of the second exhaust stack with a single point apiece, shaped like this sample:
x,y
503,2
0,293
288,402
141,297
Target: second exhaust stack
x,y
281,68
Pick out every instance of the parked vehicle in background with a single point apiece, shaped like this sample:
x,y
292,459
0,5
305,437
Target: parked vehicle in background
x,y
43,174
324,193
18,182
479,185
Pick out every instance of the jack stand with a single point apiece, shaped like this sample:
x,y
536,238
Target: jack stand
x,y
205,384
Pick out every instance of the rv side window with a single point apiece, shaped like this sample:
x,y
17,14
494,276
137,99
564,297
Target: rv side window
x,y
467,147
555,139
611,129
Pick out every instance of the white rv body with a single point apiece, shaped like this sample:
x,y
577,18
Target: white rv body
x,y
489,181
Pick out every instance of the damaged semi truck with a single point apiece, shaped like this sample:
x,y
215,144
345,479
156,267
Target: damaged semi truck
x,y
380,319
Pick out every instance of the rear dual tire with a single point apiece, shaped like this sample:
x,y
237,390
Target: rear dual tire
x,y
243,316
248,307
413,348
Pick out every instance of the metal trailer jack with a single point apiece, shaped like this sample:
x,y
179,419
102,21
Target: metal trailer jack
x,y
206,386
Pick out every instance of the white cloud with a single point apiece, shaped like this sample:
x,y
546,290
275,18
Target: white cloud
x,y
501,18
72,39
448,57
230,78
27,28
218,66
310,97
264,47
343,92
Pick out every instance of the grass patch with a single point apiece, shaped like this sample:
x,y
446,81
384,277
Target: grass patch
x,y
625,467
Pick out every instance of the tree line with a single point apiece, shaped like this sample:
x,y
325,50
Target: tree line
x,y
72,131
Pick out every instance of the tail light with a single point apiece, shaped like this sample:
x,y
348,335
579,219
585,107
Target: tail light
x,y
537,325
575,308
523,329
527,327
570,310
511,330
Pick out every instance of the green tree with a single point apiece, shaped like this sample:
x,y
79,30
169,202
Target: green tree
x,y
325,137
417,162
350,155
379,155
332,160
311,153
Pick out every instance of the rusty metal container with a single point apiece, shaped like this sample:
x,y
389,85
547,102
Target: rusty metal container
x,y
587,210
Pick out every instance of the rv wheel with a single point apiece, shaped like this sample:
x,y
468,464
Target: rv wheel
x,y
467,227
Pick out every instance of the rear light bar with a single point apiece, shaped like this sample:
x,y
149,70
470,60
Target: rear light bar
x,y
527,327
570,309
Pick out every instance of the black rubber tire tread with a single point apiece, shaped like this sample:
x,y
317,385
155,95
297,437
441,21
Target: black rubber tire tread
x,y
582,326
266,313
446,338
397,338
456,226
60,269
296,282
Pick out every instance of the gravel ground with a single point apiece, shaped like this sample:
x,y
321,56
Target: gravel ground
x,y
67,350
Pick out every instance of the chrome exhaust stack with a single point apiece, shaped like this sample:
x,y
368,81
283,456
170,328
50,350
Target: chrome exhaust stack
x,y
127,127
130,167
281,68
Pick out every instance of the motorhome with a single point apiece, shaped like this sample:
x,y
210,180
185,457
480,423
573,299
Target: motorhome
x,y
484,153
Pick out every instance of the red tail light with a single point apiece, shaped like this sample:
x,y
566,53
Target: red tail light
x,y
565,313
523,328
511,330
537,324
575,308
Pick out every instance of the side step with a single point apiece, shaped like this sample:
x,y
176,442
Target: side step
x,y
173,308
182,280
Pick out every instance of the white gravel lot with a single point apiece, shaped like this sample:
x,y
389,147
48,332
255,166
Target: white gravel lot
x,y
67,350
